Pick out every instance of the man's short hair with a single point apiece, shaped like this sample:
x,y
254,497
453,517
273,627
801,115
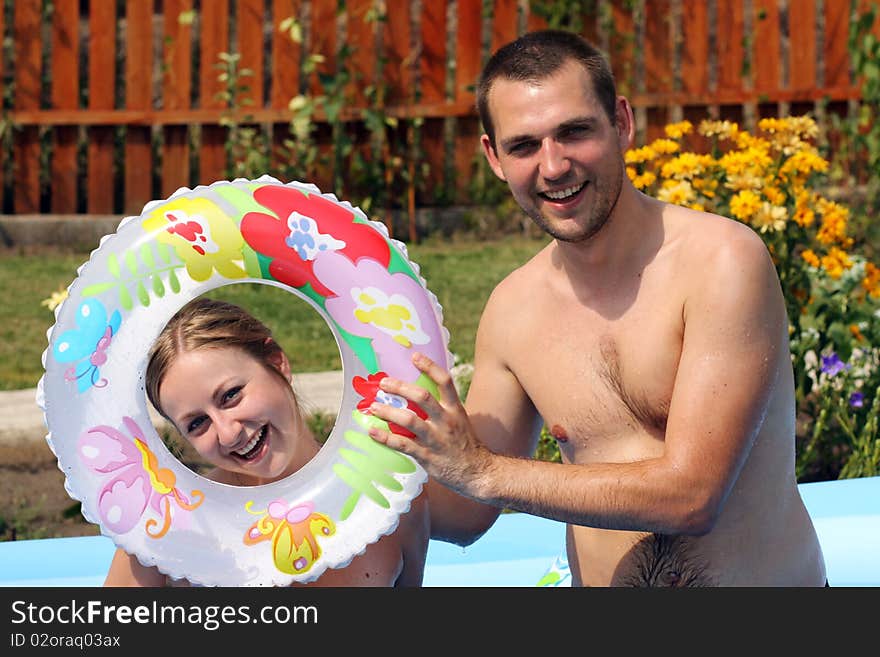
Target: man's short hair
x,y
536,56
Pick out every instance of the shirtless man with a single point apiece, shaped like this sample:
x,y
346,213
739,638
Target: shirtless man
x,y
652,340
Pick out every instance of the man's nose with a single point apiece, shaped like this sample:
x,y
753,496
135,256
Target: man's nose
x,y
554,161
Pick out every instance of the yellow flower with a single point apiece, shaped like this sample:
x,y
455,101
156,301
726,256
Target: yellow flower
x,y
775,195
204,236
871,281
744,205
644,180
685,165
770,217
664,146
745,180
678,130
803,163
836,262
631,172
55,299
676,192
834,223
720,129
810,258
640,155
804,216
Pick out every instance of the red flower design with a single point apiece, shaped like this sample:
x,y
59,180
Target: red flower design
x,y
267,234
369,389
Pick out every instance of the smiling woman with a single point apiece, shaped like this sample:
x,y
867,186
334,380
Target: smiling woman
x,y
316,509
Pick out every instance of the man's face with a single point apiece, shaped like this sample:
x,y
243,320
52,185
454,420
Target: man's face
x,y
558,151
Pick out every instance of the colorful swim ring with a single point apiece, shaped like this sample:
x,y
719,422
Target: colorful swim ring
x,y
92,392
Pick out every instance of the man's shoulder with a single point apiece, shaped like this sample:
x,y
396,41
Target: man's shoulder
x,y
715,241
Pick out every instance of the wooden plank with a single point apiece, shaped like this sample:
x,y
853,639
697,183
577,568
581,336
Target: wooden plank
x,y
177,56
138,95
766,47
504,23
286,55
398,73
176,95
621,47
250,46
802,45
695,48
835,50
323,41
361,41
730,48
214,40
65,95
659,49
433,59
27,46
467,49
100,184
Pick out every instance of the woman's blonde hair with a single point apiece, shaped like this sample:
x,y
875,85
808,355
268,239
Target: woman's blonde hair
x,y
208,323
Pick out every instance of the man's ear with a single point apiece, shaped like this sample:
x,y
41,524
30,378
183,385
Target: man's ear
x,y
625,123
491,156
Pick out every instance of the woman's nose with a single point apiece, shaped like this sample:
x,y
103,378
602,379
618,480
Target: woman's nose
x,y
554,162
229,429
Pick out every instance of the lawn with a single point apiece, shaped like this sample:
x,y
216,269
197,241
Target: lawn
x,y
460,272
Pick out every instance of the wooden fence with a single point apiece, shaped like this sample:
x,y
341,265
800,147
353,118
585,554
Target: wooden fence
x,y
108,104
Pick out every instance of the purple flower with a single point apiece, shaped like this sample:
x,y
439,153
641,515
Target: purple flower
x,y
832,365
857,400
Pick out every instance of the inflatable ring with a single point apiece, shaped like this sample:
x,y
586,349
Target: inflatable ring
x,y
92,392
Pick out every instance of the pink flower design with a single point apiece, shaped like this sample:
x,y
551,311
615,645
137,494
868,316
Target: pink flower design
x,y
133,480
392,309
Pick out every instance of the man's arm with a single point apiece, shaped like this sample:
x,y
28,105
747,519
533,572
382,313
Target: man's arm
x,y
735,326
500,413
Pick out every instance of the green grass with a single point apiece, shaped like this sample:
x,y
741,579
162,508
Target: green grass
x,y
460,272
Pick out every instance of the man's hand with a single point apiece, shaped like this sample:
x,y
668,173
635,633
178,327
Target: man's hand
x,y
445,443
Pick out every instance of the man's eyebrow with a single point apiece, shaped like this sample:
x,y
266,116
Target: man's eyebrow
x,y
579,122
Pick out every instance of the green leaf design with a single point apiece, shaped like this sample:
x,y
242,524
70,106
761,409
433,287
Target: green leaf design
x,y
147,256
158,286
96,289
173,281
143,295
125,298
371,467
131,262
164,251
113,265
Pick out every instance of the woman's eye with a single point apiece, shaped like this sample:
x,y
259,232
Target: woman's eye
x,y
231,394
195,424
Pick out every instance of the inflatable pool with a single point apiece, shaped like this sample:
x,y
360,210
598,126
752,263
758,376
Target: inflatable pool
x,y
519,550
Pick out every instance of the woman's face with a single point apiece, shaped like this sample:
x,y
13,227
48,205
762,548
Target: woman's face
x,y
237,414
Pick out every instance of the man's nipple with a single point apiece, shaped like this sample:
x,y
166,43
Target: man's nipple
x,y
558,432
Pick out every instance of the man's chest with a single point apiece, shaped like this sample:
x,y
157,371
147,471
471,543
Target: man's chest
x,y
593,378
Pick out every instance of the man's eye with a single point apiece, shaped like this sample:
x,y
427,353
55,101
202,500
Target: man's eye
x,y
522,148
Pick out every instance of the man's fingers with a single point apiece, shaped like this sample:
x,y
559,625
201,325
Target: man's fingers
x,y
400,416
400,443
438,375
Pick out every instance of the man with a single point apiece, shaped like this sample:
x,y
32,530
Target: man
x,y
651,339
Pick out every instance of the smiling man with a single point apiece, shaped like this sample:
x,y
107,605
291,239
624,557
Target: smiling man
x,y
650,338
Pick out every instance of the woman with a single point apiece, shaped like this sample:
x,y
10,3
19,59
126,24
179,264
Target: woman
x,y
217,374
